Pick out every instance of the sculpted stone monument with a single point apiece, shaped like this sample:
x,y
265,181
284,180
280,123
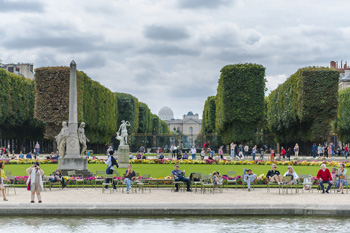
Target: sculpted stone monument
x,y
73,159
123,149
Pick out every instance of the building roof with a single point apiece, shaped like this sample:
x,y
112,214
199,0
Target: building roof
x,y
165,113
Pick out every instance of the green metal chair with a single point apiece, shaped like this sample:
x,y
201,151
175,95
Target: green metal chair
x,y
109,184
233,181
206,183
99,177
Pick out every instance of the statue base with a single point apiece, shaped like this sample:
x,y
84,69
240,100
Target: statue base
x,y
123,156
79,165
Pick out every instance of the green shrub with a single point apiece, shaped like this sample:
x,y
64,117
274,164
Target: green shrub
x,y
302,108
128,107
240,101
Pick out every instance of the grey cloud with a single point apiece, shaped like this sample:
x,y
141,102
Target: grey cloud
x,y
165,33
197,4
20,6
95,60
169,50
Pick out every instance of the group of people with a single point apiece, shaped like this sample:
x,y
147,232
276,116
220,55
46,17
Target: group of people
x,y
328,150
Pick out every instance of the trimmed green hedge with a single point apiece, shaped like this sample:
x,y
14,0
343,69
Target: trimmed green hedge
x,y
209,115
17,108
145,119
302,108
240,101
128,107
343,119
96,104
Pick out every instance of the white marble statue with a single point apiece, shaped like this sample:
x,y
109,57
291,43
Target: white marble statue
x,y
61,139
82,138
122,134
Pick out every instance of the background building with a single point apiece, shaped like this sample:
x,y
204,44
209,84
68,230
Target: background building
x,y
189,126
23,69
344,78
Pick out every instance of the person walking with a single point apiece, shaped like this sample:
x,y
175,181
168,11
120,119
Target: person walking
x,y
262,151
346,151
246,150
314,150
283,153
296,151
37,150
289,153
330,151
35,181
110,168
2,177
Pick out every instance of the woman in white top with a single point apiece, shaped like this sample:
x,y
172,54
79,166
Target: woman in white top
x,y
293,174
35,180
296,150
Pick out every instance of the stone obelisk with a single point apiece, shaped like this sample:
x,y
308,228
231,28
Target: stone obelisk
x,y
73,147
72,161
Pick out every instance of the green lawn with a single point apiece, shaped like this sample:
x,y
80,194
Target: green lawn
x,y
162,170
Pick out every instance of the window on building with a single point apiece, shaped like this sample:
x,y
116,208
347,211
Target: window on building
x,y
10,69
191,130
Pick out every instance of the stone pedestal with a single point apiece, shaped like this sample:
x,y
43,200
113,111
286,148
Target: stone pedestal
x,y
79,165
123,156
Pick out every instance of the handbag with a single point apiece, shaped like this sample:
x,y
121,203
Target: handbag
x,y
28,186
341,177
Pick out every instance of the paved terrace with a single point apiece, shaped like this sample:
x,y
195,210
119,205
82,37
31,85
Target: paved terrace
x,y
90,201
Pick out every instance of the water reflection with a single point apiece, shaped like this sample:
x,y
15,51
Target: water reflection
x,y
206,224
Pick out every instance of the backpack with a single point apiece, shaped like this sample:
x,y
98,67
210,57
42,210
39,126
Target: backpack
x,y
114,162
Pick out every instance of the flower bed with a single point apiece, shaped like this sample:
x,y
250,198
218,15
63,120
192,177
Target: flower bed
x,y
190,161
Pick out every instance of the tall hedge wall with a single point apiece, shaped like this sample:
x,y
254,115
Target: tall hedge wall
x,y
145,119
17,108
343,118
128,107
96,104
240,101
302,108
209,115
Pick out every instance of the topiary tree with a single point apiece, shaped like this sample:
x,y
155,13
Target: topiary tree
x,y
343,118
240,101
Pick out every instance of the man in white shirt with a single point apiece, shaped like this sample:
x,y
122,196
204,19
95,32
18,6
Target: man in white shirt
x,y
246,149
193,152
110,169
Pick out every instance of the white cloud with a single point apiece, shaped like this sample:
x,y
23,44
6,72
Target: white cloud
x,y
169,53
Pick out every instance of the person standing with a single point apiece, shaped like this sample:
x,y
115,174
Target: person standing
x,y
202,153
324,176
110,168
296,150
330,152
37,150
221,152
283,153
272,154
232,148
289,153
35,180
320,151
246,149
346,151
254,152
333,149
314,150
262,151
240,153
193,152
130,177
2,177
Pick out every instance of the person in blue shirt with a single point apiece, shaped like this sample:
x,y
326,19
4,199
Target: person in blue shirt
x,y
314,150
29,155
20,156
179,176
332,145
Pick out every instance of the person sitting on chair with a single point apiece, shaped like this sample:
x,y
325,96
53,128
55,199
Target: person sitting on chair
x,y
58,178
130,177
274,175
248,177
324,176
179,176
293,174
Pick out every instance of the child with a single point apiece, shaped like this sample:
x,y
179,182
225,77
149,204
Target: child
x,y
216,178
334,175
272,156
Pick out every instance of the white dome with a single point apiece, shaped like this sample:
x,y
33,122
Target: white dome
x,y
165,113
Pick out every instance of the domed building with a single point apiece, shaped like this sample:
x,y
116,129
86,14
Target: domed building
x,y
165,113
190,125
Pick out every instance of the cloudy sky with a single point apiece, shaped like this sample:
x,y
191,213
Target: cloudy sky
x,y
170,52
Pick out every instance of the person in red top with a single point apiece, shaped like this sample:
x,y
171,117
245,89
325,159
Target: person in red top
x,y
324,176
283,153
346,151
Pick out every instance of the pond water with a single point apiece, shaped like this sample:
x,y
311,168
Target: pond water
x,y
171,224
